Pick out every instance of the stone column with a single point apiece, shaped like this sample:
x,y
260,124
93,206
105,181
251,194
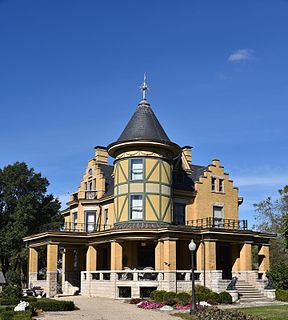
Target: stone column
x,y
91,259
169,264
264,258
235,250
159,256
245,262
116,256
210,255
200,257
52,260
33,266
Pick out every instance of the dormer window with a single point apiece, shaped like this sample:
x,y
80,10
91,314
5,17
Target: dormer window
x,y
137,169
221,185
213,184
90,171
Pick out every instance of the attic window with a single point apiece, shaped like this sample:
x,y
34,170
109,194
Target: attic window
x,y
137,169
90,171
221,185
213,184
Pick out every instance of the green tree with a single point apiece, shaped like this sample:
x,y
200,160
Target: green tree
x,y
271,216
24,207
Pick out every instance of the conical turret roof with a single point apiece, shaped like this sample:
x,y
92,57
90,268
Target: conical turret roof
x,y
144,125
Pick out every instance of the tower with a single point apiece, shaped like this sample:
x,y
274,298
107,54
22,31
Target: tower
x,y
143,169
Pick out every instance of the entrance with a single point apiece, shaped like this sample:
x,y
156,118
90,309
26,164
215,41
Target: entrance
x,y
224,260
146,255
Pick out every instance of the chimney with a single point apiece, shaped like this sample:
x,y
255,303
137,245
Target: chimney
x,y
187,151
101,155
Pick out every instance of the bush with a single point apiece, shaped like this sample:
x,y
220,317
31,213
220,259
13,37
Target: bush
x,y
202,289
214,313
53,305
225,297
170,298
12,315
12,291
15,301
158,295
201,297
279,275
135,300
282,295
183,298
213,298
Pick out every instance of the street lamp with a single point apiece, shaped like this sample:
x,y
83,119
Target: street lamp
x,y
192,248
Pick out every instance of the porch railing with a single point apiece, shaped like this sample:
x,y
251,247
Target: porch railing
x,y
229,224
75,227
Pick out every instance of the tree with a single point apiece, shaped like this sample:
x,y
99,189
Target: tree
x,y
272,216
24,207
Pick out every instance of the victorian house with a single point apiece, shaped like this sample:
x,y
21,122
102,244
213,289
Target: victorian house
x,y
128,226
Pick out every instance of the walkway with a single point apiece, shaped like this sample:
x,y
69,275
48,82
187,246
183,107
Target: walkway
x,y
105,309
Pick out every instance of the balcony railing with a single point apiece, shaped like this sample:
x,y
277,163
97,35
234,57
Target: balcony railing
x,y
229,224
75,227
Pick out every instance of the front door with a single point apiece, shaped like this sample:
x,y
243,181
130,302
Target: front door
x,y
224,260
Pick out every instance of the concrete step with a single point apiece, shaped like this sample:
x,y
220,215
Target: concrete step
x,y
248,293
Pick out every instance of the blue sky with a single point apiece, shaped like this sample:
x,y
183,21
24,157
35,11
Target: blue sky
x,y
217,72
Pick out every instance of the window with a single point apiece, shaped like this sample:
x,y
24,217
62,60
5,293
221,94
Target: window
x,y
217,216
74,220
137,169
105,218
213,184
89,185
90,172
90,220
179,213
221,185
136,208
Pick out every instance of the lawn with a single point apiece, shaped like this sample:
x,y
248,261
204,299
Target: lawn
x,y
279,312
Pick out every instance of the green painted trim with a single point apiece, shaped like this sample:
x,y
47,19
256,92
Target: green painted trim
x,y
167,174
160,191
130,171
153,168
143,206
124,174
165,211
154,210
123,206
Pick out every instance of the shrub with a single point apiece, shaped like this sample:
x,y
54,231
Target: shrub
x,y
225,297
214,313
170,298
282,295
12,315
135,300
183,298
15,301
201,297
202,289
53,305
279,275
158,295
12,291
213,298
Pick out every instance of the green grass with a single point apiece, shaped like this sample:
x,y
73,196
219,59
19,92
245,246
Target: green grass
x,y
279,312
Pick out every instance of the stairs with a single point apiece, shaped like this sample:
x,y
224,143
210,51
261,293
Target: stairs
x,y
248,293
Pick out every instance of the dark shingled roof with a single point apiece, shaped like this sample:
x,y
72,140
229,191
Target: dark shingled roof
x,y
144,126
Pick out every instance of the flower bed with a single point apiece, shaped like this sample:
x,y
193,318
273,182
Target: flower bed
x,y
149,305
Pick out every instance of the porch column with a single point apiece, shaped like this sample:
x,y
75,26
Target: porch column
x,y
159,256
33,266
200,257
210,255
264,258
81,259
169,254
52,260
91,259
68,276
235,251
245,262
116,255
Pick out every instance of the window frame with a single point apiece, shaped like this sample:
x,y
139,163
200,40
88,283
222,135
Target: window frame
x,y
213,185
221,185
130,206
131,169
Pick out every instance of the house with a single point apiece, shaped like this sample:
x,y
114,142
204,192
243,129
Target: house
x,y
128,226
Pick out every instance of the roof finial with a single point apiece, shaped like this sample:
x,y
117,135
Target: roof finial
x,y
144,87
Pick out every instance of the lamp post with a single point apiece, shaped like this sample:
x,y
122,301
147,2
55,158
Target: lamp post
x,y
192,248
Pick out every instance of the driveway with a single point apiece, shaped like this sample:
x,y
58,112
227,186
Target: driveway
x,y
105,309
